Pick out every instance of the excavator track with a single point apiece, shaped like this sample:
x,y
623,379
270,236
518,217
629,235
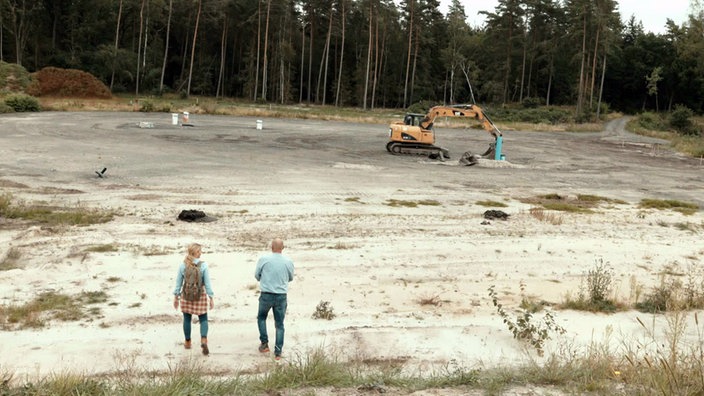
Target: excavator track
x,y
428,150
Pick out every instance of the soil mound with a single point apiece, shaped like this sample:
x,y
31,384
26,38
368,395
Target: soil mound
x,y
53,81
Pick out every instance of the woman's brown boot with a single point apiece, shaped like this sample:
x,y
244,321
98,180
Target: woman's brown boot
x,y
204,345
187,344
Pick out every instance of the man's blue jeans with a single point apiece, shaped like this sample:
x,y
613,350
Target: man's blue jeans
x,y
278,303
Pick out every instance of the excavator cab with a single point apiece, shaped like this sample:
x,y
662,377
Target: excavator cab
x,y
413,119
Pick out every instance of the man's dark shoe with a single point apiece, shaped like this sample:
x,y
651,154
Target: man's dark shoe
x,y
263,347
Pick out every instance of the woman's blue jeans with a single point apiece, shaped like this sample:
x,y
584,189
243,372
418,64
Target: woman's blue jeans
x,y
278,303
202,319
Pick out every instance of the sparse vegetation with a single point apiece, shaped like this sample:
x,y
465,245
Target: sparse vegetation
x,y
104,248
412,204
582,203
677,291
686,208
49,306
525,327
11,259
51,215
433,300
492,204
595,291
324,310
545,216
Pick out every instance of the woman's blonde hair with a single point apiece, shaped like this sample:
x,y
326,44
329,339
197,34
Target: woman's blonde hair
x,y
193,250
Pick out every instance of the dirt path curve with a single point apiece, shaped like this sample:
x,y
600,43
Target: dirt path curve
x,y
615,130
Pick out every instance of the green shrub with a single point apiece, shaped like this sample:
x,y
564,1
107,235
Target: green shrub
x,y
13,77
22,103
147,107
680,119
4,108
531,103
652,121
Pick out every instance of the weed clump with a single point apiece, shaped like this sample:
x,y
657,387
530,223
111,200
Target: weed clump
x,y
595,290
525,327
324,310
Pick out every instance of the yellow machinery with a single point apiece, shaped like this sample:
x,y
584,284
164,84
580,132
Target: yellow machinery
x,y
415,134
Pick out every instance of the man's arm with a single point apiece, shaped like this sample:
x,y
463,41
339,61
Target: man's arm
x,y
290,270
258,270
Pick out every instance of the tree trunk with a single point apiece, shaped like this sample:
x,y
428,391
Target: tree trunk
x,y
223,53
259,40
193,49
303,57
601,88
166,46
327,55
408,58
117,40
593,82
415,63
266,52
580,90
139,48
375,73
310,57
369,56
342,54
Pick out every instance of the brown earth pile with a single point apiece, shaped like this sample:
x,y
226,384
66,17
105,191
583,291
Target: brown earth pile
x,y
53,81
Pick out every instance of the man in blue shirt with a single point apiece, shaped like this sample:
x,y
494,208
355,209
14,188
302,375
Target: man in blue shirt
x,y
274,271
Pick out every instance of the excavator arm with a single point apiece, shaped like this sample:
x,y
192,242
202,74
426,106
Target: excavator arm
x,y
468,110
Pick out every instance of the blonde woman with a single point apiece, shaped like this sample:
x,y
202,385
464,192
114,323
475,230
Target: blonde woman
x,y
200,306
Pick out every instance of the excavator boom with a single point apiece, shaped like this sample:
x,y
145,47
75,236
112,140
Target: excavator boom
x,y
415,135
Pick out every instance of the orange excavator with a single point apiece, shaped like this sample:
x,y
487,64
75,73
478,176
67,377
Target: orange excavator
x,y
415,134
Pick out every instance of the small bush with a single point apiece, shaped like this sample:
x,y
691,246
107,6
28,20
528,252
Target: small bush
x,y
680,120
147,106
525,328
652,121
324,311
595,290
4,108
22,103
531,103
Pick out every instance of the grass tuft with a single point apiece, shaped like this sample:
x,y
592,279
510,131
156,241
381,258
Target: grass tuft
x,y
492,204
51,215
686,208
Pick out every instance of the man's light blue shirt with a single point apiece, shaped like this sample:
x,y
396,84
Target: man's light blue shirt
x,y
274,271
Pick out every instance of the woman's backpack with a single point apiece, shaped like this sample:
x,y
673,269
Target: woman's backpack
x,y
192,283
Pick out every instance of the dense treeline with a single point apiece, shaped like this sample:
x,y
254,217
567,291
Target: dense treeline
x,y
366,53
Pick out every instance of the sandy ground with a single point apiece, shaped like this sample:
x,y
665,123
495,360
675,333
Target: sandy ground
x,y
327,189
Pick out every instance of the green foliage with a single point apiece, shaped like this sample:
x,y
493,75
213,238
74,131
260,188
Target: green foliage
x,y
13,78
324,310
594,291
22,103
678,290
492,204
531,103
686,208
421,107
525,327
652,121
67,216
4,108
534,115
147,106
680,120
